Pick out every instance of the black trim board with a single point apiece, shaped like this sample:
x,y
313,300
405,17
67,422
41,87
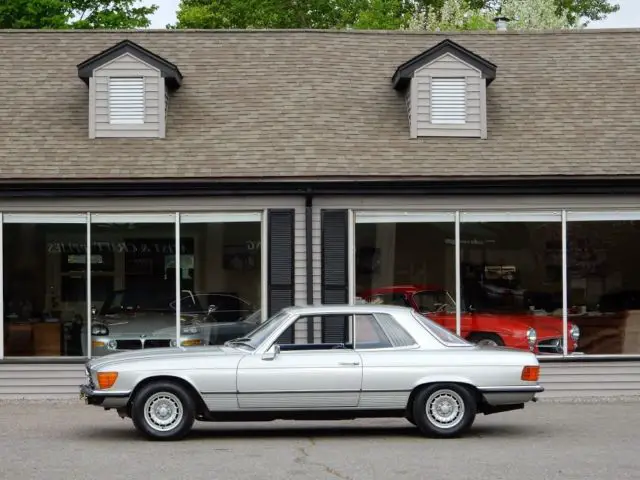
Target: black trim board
x,y
308,220
168,70
404,72
195,187
280,259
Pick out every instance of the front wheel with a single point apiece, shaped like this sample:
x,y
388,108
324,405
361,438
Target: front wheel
x,y
163,411
444,410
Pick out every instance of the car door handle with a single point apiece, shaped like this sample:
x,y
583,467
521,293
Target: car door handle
x,y
348,363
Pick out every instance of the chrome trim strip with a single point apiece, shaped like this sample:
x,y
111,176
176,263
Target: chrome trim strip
x,y
513,389
286,392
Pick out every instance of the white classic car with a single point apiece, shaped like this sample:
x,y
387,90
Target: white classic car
x,y
347,362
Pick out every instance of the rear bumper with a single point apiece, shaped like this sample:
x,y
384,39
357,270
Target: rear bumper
x,y
103,399
497,396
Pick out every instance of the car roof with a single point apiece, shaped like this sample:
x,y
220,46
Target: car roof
x,y
358,308
409,288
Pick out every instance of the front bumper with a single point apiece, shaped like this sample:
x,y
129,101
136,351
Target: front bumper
x,y
103,399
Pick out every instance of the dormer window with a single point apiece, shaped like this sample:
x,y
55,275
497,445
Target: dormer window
x,y
445,92
128,91
126,100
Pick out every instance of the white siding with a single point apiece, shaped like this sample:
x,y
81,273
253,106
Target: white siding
x,y
590,379
40,380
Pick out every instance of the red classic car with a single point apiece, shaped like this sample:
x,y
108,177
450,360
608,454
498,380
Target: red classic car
x,y
502,329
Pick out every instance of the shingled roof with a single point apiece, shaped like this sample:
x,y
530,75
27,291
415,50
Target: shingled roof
x,y
321,104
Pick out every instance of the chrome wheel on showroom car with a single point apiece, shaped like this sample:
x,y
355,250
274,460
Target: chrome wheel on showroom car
x,y
163,411
444,410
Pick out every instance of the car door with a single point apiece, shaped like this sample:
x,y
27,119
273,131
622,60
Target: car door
x,y
303,375
388,360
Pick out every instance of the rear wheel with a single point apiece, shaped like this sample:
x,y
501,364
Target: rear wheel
x,y
163,411
444,410
482,338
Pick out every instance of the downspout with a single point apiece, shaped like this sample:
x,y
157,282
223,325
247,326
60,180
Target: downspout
x,y
309,256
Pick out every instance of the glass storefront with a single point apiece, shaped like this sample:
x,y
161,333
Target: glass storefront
x,y
147,289
44,285
527,280
603,283
408,262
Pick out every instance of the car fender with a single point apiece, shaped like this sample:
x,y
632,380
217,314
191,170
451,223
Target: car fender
x,y
428,379
502,325
176,376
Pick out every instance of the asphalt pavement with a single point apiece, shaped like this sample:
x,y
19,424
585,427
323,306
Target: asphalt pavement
x,y
548,440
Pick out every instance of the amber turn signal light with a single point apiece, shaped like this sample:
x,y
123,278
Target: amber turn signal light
x,y
531,373
107,379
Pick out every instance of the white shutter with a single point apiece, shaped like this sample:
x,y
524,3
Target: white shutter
x,y
126,100
448,100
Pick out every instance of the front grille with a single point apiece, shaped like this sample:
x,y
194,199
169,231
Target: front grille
x,y
553,345
156,343
129,344
143,343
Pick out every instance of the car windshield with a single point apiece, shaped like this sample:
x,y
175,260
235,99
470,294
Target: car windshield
x,y
258,335
435,301
442,334
136,301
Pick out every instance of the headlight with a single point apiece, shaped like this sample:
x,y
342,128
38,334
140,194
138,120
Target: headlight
x,y
575,333
532,337
99,330
112,345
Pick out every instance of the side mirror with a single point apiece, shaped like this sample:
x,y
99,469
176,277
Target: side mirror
x,y
272,353
211,309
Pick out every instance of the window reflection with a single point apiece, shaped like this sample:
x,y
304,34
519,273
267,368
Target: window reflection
x,y
511,275
604,285
45,297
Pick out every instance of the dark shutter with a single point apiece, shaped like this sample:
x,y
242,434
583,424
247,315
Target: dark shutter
x,y
334,271
280,277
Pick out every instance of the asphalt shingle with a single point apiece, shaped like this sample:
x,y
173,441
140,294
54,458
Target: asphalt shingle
x,y
321,104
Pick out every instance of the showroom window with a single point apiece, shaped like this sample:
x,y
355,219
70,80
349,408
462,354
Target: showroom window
x,y
44,285
408,259
155,280
220,279
603,285
133,284
511,278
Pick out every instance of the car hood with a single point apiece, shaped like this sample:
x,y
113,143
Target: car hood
x,y
165,354
144,323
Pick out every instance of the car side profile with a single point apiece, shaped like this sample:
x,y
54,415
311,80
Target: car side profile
x,y
360,361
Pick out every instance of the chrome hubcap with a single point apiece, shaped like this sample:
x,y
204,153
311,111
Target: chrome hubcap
x,y
487,341
163,411
445,409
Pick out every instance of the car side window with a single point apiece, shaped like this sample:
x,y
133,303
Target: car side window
x,y
329,332
397,334
369,333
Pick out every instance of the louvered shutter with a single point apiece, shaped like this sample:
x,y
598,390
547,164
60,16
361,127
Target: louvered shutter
x,y
334,272
448,100
126,100
280,227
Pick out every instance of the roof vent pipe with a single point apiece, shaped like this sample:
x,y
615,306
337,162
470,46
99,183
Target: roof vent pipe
x,y
501,23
